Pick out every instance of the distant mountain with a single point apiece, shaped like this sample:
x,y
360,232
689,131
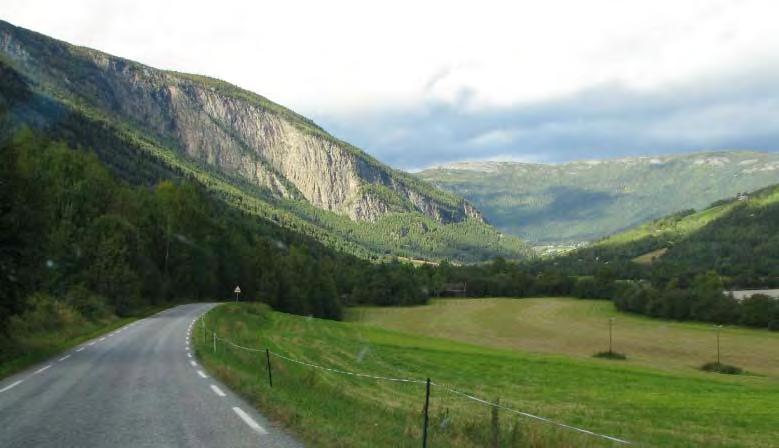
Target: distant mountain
x,y
587,200
149,124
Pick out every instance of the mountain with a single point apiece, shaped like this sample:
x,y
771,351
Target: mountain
x,y
737,238
150,124
587,200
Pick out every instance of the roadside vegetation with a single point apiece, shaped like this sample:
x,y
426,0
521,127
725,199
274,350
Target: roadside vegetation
x,y
640,404
49,327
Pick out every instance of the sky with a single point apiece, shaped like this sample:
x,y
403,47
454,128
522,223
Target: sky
x,y
424,83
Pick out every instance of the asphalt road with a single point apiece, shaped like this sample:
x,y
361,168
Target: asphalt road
x,y
139,386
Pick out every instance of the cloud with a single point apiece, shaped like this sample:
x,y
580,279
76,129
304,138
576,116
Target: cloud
x,y
733,111
421,83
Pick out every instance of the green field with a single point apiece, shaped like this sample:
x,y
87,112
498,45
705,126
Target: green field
x,y
580,328
652,407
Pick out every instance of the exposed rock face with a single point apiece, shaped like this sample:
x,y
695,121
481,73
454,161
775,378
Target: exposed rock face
x,y
233,131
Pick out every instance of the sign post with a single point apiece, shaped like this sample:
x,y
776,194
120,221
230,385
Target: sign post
x,y
237,291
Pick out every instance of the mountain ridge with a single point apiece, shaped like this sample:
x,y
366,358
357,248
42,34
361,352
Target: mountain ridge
x,y
586,200
279,157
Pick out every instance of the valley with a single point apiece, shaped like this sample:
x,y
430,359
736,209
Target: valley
x,y
569,203
184,262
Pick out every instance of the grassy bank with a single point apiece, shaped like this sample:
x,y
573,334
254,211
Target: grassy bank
x,y
39,346
580,328
330,409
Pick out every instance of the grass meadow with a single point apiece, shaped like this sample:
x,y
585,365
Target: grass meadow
x,y
579,328
677,407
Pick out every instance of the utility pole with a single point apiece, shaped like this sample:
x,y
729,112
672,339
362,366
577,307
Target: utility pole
x,y
717,329
611,324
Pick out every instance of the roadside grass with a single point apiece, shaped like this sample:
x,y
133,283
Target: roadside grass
x,y
579,328
647,406
44,345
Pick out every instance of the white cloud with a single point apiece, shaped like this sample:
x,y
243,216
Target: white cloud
x,y
342,56
418,83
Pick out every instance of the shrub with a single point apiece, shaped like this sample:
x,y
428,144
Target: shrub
x,y
43,314
610,355
721,368
88,304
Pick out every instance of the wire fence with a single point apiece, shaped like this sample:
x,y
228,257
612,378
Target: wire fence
x,y
444,398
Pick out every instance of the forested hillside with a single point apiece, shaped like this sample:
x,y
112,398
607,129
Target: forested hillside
x,y
257,156
77,245
738,239
587,200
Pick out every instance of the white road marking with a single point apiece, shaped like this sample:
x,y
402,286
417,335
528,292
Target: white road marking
x,y
91,343
202,375
102,339
194,364
42,369
189,355
11,386
64,358
217,390
249,421
80,349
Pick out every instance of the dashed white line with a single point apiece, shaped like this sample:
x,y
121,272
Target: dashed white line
x,y
189,355
202,375
102,339
64,358
11,386
91,343
194,364
249,421
42,369
217,390
80,349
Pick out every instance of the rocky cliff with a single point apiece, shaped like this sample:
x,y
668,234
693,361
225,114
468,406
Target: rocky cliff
x,y
234,131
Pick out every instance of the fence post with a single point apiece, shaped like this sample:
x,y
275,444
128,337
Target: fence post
x,y
270,374
495,425
427,405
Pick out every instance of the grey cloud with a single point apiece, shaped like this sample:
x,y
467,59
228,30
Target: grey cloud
x,y
610,120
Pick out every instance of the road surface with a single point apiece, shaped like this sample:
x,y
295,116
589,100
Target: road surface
x,y
139,386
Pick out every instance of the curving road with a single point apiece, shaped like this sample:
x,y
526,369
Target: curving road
x,y
138,386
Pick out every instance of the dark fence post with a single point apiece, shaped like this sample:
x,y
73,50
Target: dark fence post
x,y
427,405
495,425
270,374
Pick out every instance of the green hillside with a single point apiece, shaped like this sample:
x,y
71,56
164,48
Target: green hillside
x,y
149,125
587,200
644,405
738,239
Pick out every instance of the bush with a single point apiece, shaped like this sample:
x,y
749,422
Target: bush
x,y
610,355
43,314
721,368
88,304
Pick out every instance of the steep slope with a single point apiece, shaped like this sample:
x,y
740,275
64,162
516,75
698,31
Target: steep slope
x,y
737,238
254,153
582,201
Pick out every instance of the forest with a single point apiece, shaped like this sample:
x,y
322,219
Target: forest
x,y
78,245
